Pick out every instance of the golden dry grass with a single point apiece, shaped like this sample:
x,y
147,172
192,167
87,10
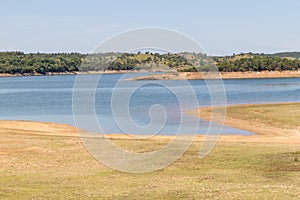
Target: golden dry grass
x,y
48,161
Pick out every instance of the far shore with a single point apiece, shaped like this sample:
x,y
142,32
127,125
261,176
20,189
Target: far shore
x,y
220,75
180,75
72,73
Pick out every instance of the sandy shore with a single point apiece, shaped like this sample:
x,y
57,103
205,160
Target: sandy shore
x,y
263,134
263,74
223,75
37,128
182,75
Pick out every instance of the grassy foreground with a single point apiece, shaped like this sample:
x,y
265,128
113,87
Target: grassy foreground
x,y
48,161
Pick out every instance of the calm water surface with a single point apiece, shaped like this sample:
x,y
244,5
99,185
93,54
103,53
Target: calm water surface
x,y
49,98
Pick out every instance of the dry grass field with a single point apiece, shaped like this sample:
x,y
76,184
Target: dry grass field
x,y
48,161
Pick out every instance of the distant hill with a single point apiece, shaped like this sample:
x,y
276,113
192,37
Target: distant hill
x,y
286,55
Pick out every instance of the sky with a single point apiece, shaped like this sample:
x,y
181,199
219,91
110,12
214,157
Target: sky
x,y
222,27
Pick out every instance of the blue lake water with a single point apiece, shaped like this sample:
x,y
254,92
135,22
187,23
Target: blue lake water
x,y
49,98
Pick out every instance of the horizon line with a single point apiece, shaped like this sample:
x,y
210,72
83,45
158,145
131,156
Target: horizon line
x,y
78,52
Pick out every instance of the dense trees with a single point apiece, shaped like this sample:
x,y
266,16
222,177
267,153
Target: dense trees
x,y
256,63
130,61
20,63
40,63
192,62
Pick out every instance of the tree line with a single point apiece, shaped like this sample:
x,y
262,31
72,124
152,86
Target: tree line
x,y
250,62
42,63
38,63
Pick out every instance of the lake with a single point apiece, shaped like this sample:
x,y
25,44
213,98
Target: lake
x,y
49,98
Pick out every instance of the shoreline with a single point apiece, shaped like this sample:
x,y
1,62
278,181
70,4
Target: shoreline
x,y
67,131
179,75
263,133
220,75
72,73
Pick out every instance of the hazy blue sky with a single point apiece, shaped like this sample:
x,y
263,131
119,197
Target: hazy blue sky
x,y
222,27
